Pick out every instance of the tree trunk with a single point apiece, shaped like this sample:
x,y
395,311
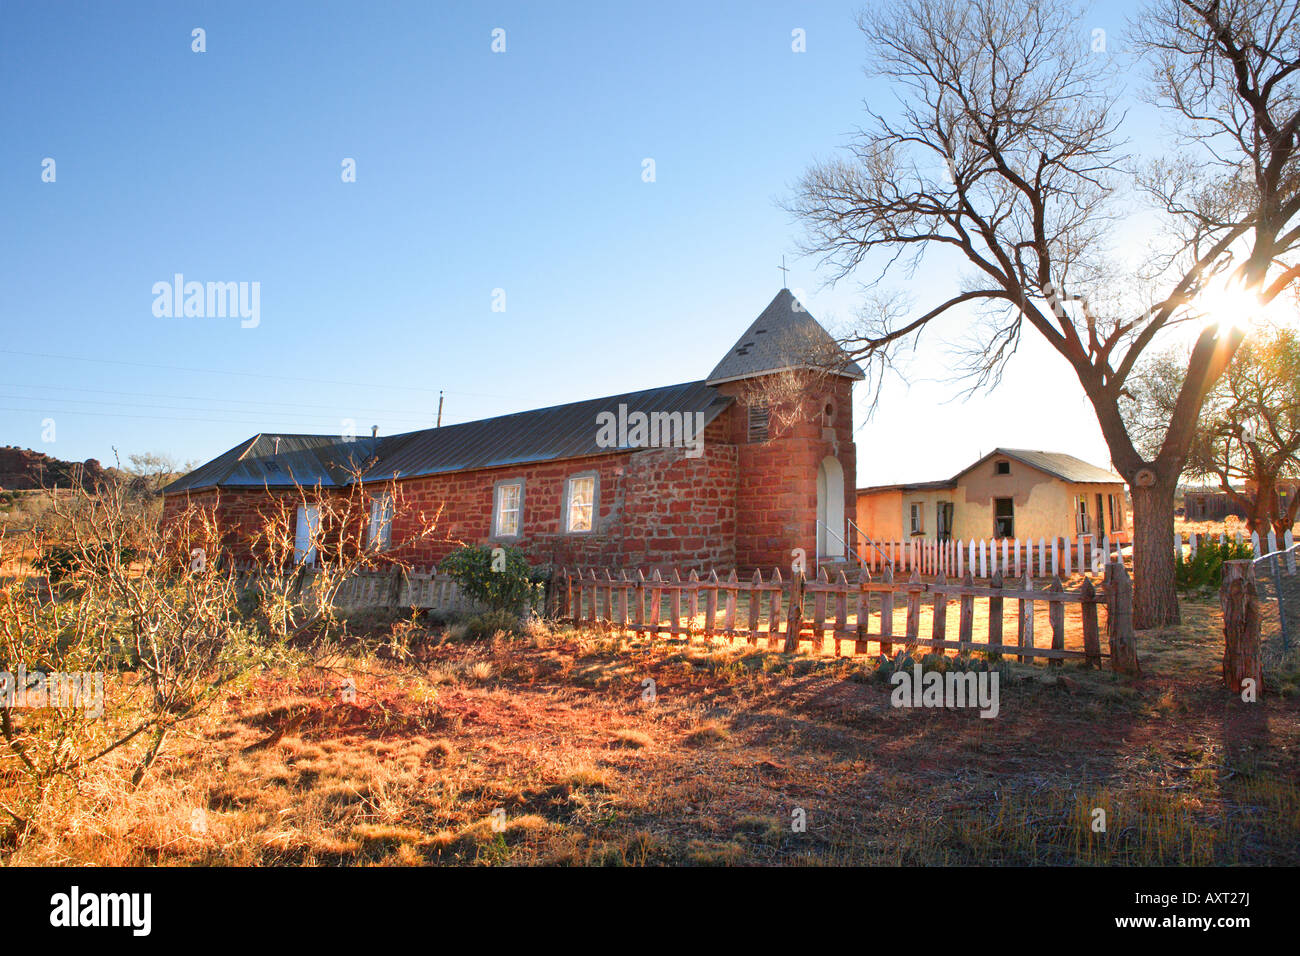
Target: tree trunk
x,y
1261,511
1155,599
1239,599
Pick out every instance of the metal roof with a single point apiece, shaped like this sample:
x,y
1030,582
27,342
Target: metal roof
x,y
1063,466
784,336
280,460
1060,465
544,434
912,486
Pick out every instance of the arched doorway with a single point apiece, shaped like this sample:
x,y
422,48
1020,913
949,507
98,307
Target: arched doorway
x,y
830,508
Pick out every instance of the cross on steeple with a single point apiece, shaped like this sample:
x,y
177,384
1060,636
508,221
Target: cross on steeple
x,y
785,275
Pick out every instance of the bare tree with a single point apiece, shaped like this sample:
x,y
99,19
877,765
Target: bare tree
x,y
1006,151
1249,427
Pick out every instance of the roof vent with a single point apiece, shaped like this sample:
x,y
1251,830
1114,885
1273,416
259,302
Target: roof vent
x,y
374,431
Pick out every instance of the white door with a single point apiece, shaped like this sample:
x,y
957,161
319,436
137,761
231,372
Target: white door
x,y
304,531
830,509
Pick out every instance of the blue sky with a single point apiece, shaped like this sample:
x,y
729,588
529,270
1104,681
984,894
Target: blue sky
x,y
475,171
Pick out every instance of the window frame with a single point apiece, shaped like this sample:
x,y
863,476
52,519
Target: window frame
x,y
916,514
497,534
385,530
1011,529
567,502
1002,467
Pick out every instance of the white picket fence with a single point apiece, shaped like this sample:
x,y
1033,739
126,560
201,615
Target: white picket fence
x,y
1043,558
1269,544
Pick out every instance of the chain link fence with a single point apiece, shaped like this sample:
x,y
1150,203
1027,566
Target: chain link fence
x,y
1279,605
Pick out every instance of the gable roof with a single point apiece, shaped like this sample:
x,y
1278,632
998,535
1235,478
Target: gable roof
x,y
281,460
1063,466
784,336
543,434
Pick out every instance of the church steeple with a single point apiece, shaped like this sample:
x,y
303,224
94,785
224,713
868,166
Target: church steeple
x,y
784,336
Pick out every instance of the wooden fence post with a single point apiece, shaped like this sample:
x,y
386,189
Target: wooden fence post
x,y
774,610
638,618
887,613
819,611
692,601
939,617
1091,632
1056,618
729,614
995,616
966,613
656,599
863,612
794,618
1119,620
1239,598
841,610
914,588
1025,632
711,606
608,604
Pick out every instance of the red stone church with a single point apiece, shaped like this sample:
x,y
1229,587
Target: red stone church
x,y
731,471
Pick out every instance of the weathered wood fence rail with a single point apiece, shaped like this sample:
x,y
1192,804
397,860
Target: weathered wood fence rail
x,y
773,614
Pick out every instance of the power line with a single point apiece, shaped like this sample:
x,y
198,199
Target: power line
x,y
201,398
164,418
182,408
217,371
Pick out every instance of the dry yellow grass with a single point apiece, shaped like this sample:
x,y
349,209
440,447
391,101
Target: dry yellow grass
x,y
559,759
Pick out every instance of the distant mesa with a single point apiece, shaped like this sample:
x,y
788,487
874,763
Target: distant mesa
x,y
22,469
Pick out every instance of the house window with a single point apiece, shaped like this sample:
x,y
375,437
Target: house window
x,y
758,422
1004,518
1002,468
918,521
306,534
508,509
580,504
1081,517
379,533
943,520
1116,513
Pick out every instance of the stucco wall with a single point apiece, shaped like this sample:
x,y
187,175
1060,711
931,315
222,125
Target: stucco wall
x,y
1044,505
880,514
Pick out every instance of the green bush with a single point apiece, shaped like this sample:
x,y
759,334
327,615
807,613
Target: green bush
x,y
1205,570
480,627
512,588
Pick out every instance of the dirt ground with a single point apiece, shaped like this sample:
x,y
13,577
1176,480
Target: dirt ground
x,y
550,749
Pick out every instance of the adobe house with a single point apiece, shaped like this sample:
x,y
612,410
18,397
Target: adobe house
x,y
719,473
1009,493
